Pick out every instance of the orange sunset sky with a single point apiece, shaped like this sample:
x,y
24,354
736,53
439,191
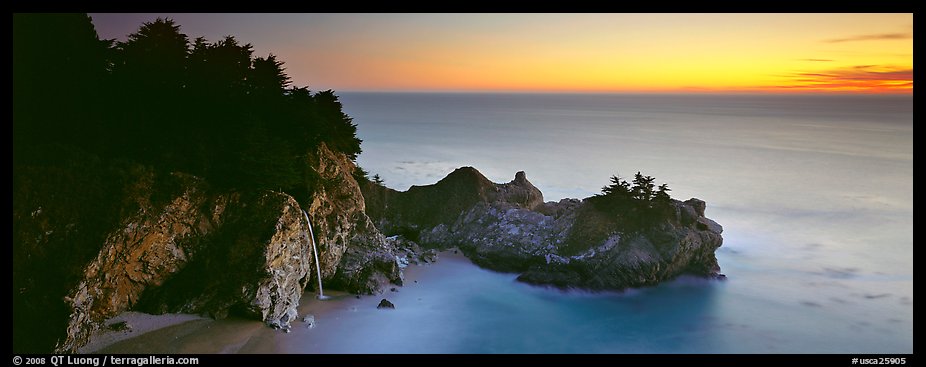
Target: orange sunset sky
x,y
871,53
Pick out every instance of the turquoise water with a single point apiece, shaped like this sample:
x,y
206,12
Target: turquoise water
x,y
815,194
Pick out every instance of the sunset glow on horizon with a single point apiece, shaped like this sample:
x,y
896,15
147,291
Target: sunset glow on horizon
x,y
781,53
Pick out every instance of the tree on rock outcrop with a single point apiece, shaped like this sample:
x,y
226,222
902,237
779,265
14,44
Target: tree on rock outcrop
x,y
636,206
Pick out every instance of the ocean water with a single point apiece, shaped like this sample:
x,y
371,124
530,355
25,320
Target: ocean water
x,y
815,194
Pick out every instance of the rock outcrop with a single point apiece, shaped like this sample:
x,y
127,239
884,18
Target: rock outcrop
x,y
175,255
423,207
568,243
354,254
384,303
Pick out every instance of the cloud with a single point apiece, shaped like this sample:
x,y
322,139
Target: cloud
x,y
861,78
872,37
819,60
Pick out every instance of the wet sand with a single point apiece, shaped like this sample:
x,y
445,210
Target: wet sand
x,y
181,333
139,324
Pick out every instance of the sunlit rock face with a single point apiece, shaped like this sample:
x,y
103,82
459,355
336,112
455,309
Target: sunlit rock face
x,y
354,254
198,251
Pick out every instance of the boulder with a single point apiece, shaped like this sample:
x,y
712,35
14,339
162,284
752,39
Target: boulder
x,y
384,303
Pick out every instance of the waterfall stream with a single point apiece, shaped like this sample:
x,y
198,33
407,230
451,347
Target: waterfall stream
x,y
318,267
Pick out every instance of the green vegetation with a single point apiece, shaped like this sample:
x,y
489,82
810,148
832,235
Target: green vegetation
x,y
637,206
211,109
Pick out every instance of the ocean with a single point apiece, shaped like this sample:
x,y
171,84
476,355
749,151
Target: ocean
x,y
815,194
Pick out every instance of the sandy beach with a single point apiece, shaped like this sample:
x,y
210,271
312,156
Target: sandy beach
x,y
182,333
138,324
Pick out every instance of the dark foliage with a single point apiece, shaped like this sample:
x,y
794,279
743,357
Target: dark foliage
x,y
637,206
208,108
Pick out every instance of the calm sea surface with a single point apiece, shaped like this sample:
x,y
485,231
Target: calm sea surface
x,y
815,194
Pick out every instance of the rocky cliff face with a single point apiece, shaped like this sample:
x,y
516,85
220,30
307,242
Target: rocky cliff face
x,y
175,255
354,254
538,246
567,243
423,207
175,244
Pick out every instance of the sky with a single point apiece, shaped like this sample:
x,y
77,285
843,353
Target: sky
x,y
869,53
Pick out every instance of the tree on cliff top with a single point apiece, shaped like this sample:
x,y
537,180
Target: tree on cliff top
x,y
636,206
207,108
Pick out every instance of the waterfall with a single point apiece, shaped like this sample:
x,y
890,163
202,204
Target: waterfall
x,y
318,267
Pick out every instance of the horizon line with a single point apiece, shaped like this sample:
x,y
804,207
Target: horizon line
x,y
665,92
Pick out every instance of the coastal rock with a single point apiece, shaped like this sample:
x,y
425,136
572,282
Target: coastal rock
x,y
309,320
62,213
505,237
167,243
429,256
566,244
120,326
173,255
153,243
636,259
409,252
384,303
354,254
520,192
423,207
260,235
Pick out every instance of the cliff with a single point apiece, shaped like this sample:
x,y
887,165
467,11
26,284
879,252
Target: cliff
x,y
140,182
174,243
443,202
566,244
354,254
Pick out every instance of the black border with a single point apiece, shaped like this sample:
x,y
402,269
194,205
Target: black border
x,y
556,6
559,360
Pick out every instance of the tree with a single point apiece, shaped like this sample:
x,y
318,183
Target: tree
x,y
661,200
618,187
155,54
337,124
59,80
207,108
268,77
223,66
360,174
378,180
615,198
149,108
643,186
635,206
